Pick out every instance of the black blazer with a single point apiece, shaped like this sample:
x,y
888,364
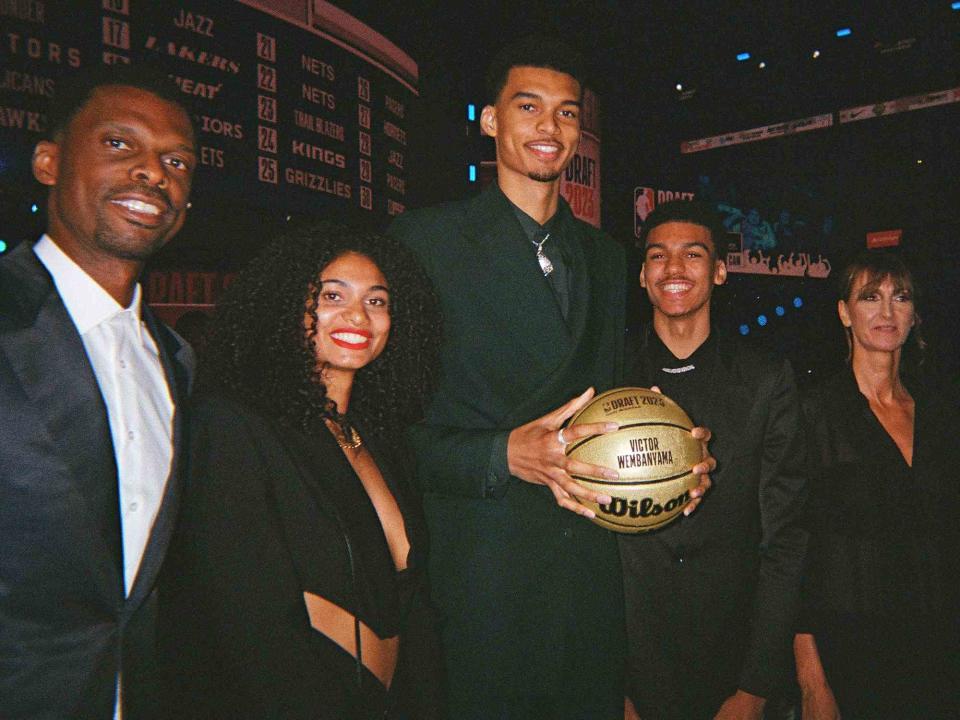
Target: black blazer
x,y
712,597
66,628
261,522
529,592
881,583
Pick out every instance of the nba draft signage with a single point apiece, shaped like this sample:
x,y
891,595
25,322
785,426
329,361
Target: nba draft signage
x,y
645,199
580,182
754,245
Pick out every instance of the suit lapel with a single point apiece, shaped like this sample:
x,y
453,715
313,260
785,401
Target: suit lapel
x,y
519,297
731,392
51,365
582,283
325,471
178,375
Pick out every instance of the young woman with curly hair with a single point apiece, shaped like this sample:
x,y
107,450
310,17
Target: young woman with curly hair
x,y
296,585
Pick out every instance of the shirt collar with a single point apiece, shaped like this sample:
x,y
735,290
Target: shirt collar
x,y
86,301
530,226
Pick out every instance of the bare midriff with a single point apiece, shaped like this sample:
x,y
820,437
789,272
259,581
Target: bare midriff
x,y
379,655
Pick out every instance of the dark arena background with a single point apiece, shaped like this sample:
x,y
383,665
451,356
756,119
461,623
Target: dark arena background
x,y
817,128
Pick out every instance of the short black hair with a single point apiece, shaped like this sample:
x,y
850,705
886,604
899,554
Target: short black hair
x,y
540,51
696,212
74,91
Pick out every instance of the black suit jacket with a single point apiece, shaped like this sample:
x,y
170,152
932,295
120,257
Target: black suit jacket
x,y
66,627
712,597
530,593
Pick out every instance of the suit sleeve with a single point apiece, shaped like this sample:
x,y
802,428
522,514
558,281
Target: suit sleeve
x,y
782,488
454,461
451,460
808,619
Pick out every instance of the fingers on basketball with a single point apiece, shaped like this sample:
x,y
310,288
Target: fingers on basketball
x,y
652,451
572,406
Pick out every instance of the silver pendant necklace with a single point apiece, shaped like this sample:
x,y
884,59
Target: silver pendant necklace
x,y
542,258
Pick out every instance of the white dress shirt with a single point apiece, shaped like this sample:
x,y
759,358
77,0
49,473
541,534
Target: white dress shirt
x,y
127,366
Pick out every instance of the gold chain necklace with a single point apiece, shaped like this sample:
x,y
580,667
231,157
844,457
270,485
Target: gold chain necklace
x,y
352,443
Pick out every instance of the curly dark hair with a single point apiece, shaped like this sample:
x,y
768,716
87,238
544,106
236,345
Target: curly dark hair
x,y
259,352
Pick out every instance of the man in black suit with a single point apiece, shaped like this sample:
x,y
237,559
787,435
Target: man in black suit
x,y
711,598
533,300
91,391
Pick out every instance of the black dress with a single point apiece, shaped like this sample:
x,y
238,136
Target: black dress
x,y
267,515
880,590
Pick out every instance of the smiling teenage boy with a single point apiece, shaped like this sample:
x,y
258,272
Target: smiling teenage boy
x,y
711,598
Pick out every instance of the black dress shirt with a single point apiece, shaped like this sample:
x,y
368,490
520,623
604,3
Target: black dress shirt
x,y
553,248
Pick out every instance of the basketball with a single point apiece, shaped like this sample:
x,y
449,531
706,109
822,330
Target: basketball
x,y
653,451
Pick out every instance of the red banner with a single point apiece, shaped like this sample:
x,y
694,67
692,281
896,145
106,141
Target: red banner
x,y
884,238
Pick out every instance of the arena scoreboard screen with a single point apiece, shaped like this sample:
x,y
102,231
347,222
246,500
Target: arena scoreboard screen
x,y
299,106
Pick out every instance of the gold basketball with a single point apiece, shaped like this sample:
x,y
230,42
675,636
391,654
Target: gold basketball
x,y
653,451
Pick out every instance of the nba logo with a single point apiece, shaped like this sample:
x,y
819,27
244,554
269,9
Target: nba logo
x,y
643,202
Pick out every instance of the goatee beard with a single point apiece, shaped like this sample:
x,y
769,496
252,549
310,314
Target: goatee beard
x,y
543,177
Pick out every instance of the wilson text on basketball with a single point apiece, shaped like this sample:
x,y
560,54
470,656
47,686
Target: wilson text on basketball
x,y
645,507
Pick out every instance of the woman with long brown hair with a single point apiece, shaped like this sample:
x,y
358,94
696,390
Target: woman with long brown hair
x,y
879,632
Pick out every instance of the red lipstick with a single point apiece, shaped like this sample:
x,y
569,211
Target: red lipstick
x,y
351,338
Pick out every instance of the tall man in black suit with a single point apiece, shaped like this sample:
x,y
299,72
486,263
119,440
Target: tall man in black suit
x,y
711,599
91,387
533,300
